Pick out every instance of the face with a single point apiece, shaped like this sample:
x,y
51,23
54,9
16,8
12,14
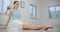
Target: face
x,y
16,5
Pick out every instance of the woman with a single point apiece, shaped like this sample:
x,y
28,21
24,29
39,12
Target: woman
x,y
14,24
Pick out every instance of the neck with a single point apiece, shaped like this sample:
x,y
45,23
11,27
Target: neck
x,y
15,8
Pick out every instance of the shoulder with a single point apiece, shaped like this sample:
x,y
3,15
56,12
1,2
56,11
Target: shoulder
x,y
11,10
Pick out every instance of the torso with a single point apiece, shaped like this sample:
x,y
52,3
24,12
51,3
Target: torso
x,y
15,14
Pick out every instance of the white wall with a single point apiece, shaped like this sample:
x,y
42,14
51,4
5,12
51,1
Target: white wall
x,y
25,11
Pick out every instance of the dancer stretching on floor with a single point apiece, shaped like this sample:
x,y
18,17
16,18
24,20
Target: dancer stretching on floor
x,y
14,24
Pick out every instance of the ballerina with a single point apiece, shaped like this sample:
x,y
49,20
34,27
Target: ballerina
x,y
14,24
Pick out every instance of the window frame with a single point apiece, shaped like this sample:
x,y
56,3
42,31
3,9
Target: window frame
x,y
50,16
33,14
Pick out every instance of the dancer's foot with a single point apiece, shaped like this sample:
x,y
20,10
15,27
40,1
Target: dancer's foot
x,y
47,27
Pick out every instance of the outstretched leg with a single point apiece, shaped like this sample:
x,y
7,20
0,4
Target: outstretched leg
x,y
46,27
33,27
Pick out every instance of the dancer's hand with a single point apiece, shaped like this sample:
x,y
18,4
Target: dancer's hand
x,y
5,27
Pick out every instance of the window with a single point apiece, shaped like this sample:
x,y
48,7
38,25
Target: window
x,y
54,12
33,11
58,11
3,5
0,6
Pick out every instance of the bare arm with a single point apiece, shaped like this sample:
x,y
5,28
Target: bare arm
x,y
9,17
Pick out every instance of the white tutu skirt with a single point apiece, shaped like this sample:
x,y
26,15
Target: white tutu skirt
x,y
15,26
